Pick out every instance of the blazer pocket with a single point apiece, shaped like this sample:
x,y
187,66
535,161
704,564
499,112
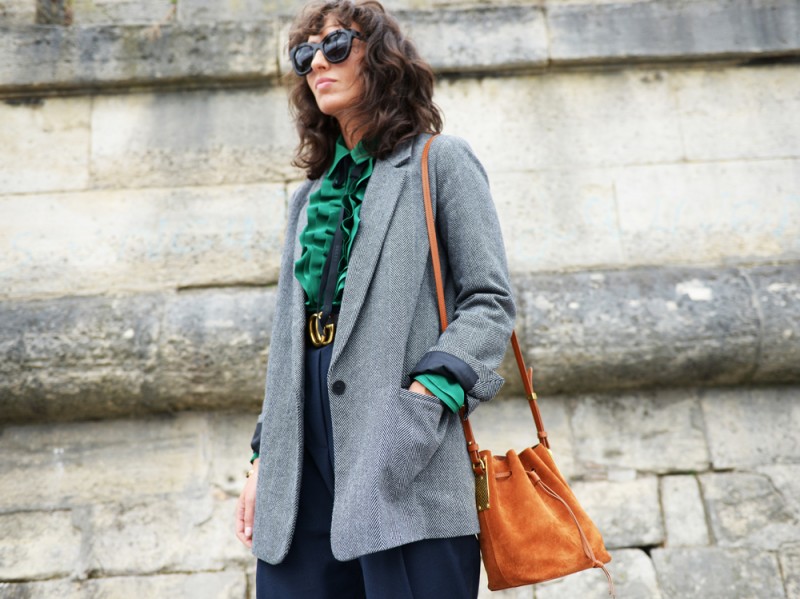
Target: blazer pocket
x,y
416,427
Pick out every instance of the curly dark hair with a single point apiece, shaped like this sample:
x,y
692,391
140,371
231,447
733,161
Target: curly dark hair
x,y
398,86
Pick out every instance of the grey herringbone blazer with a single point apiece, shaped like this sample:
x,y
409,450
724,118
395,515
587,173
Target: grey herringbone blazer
x,y
401,468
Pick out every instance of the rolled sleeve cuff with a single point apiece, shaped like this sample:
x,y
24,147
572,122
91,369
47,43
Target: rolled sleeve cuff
x,y
439,362
255,442
448,391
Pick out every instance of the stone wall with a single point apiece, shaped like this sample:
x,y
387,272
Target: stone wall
x,y
696,491
645,162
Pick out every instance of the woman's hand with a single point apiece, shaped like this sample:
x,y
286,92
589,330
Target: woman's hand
x,y
417,387
245,508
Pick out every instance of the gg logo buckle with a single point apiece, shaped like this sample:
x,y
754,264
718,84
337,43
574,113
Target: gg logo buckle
x,y
318,340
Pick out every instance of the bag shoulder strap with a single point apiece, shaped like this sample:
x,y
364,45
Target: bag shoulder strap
x,y
525,373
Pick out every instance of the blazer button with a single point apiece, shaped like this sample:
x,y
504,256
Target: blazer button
x,y
338,387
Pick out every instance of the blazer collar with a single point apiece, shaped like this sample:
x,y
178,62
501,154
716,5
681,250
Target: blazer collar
x,y
401,154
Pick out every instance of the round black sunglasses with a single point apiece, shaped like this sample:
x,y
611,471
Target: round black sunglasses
x,y
335,48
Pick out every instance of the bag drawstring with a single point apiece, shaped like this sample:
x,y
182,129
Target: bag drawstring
x,y
587,548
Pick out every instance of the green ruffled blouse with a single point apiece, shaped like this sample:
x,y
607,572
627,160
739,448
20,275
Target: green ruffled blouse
x,y
324,206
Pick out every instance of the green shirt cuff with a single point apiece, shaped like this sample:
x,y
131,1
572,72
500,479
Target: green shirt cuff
x,y
449,392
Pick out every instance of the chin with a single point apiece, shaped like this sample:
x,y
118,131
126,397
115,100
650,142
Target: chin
x,y
328,108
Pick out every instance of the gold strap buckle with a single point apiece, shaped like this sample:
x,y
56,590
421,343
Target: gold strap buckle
x,y
313,331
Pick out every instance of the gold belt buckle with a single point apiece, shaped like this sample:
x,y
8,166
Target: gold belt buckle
x,y
313,331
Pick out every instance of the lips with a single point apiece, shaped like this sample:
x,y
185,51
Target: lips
x,y
323,82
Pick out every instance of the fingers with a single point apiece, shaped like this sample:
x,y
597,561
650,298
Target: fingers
x,y
247,542
245,512
249,509
417,387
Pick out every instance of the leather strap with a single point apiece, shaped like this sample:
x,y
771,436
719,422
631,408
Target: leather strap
x,y
330,271
330,275
437,270
525,373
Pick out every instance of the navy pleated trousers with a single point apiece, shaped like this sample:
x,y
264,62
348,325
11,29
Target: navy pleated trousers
x,y
428,569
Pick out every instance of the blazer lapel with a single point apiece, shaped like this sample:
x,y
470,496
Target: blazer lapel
x,y
380,200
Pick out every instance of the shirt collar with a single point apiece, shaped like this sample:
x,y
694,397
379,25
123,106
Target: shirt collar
x,y
358,154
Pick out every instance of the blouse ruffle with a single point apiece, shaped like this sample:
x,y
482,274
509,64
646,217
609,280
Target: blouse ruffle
x,y
338,189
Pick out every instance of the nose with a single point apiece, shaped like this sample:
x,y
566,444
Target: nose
x,y
319,60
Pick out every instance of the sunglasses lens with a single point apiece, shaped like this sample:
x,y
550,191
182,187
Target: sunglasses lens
x,y
336,46
302,58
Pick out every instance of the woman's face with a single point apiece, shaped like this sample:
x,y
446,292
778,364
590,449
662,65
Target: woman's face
x,y
338,87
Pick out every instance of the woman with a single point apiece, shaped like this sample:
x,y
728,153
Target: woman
x,y
362,486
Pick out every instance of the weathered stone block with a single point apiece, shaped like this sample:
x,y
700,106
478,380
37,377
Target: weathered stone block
x,y
648,432
201,137
122,462
229,436
557,219
501,425
777,292
163,536
716,573
37,545
119,12
251,583
632,570
786,480
215,11
790,566
510,37
564,121
526,592
17,12
708,212
44,145
684,513
143,240
664,29
758,117
33,58
213,348
655,214
198,585
74,357
635,328
627,513
89,357
752,427
745,509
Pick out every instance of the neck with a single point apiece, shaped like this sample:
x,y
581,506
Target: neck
x,y
350,131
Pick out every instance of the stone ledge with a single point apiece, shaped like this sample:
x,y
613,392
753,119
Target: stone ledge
x,y
205,349
38,58
662,327
669,30
72,358
42,59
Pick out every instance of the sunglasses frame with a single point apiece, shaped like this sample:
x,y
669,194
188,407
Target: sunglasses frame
x,y
350,33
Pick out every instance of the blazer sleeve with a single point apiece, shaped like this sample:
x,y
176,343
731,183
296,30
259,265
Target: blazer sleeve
x,y
470,239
